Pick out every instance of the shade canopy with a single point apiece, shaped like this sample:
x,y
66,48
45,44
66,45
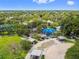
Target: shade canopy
x,y
48,31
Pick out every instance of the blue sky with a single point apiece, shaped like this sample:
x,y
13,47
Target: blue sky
x,y
39,4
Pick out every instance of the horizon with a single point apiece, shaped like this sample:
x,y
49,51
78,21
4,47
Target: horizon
x,y
38,10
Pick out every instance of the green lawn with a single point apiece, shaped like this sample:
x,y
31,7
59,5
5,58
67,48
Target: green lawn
x,y
6,40
10,48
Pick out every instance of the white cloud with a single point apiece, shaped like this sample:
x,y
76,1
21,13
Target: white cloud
x,y
70,2
43,1
51,0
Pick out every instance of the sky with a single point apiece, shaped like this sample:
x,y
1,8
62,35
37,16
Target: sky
x,y
39,4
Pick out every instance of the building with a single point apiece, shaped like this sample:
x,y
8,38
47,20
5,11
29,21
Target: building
x,y
36,54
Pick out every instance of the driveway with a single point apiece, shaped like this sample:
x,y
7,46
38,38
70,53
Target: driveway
x,y
53,48
57,51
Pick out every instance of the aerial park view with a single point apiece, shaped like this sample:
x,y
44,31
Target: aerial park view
x,y
39,29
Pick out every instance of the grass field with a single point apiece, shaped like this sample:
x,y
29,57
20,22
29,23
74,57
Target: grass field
x,y
10,48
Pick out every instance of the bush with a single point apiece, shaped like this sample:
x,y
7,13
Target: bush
x,y
26,45
43,57
37,37
73,52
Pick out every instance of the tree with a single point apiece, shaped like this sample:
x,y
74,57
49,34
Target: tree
x,y
71,25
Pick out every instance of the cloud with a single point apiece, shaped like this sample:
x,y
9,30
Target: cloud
x,y
43,1
51,0
70,2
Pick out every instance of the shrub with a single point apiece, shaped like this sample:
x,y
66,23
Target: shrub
x,y
73,52
37,37
26,45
